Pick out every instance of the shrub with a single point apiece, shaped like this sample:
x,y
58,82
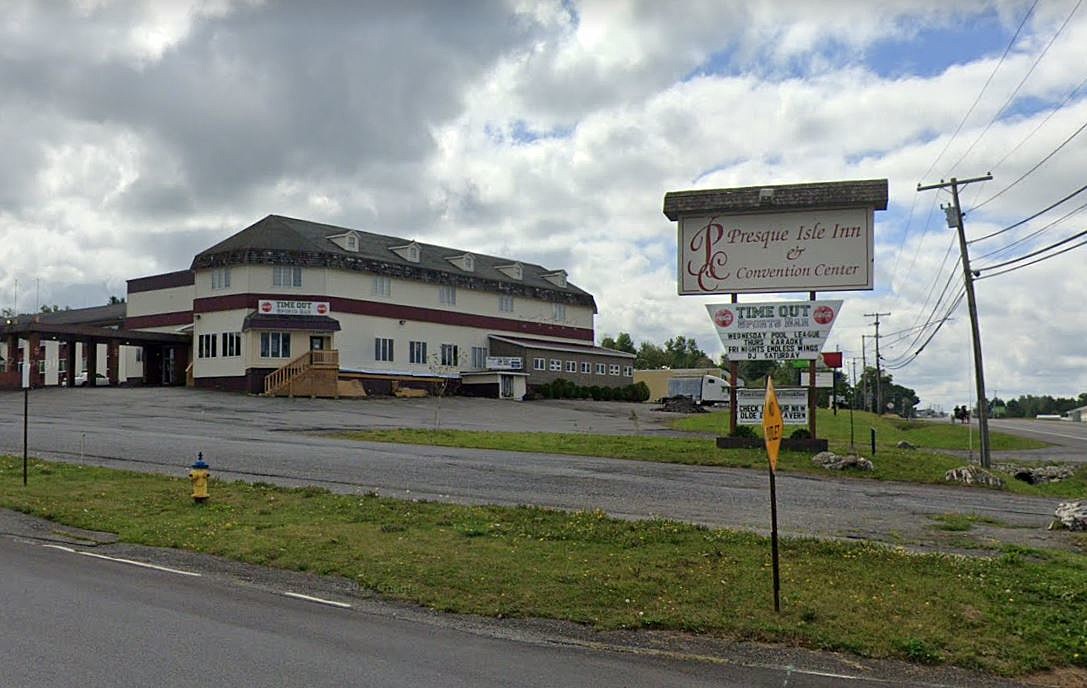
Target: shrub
x,y
800,434
743,431
596,393
642,390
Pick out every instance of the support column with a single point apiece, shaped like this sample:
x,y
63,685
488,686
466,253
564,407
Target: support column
x,y
70,362
113,350
90,348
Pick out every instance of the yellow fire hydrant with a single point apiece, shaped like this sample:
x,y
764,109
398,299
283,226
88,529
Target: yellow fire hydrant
x,y
199,477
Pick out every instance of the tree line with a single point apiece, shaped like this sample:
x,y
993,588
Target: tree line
x,y
683,352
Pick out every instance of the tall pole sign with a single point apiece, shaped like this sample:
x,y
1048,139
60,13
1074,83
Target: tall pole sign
x,y
804,238
772,429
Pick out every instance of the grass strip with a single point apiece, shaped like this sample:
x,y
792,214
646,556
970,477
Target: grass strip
x,y
1017,613
889,432
906,465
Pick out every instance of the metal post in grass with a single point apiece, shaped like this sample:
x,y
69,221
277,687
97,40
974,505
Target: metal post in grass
x,y
26,409
873,432
772,429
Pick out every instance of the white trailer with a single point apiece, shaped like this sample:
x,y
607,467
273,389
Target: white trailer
x,y
705,389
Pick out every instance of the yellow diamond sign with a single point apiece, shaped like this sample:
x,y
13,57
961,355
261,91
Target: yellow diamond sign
x,y
772,425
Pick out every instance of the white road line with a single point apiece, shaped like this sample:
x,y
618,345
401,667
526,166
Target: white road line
x,y
318,600
1042,432
125,561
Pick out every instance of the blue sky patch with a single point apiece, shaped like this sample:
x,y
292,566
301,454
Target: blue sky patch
x,y
931,51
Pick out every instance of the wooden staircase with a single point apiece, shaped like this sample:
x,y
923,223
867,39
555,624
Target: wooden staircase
x,y
311,374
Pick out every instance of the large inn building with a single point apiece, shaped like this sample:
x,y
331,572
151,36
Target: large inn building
x,y
284,293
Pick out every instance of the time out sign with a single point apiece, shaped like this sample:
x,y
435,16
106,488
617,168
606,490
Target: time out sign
x,y
284,307
808,250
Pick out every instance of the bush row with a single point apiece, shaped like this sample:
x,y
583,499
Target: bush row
x,y
565,389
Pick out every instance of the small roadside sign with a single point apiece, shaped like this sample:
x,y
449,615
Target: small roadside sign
x,y
772,425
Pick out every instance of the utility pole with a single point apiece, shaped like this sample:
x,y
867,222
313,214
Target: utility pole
x,y
864,380
879,386
954,221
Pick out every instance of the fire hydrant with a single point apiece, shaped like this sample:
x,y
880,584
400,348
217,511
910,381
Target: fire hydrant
x,y
199,477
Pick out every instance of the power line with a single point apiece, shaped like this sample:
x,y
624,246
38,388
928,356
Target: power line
x,y
1032,253
1039,260
982,91
1040,230
1067,99
1015,92
946,318
1028,219
1029,172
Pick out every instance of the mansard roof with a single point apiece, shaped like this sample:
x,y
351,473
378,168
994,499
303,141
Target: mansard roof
x,y
279,240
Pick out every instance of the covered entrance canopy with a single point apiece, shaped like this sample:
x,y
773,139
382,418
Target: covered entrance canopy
x,y
165,354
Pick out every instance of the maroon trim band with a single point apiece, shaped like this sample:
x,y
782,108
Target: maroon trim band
x,y
396,312
158,320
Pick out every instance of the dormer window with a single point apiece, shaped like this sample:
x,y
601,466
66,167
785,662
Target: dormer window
x,y
558,278
466,262
349,241
513,270
409,252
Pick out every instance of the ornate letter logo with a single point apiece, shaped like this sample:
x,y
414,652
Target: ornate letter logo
x,y
712,268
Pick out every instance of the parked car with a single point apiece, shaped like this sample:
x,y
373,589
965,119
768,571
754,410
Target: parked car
x,y
99,379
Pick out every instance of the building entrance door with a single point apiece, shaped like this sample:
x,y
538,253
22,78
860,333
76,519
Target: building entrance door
x,y
317,343
506,386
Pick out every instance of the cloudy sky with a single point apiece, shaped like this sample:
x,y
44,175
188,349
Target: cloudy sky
x,y
138,133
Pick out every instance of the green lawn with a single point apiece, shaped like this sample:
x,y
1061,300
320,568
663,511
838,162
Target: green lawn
x,y
889,431
919,466
1019,612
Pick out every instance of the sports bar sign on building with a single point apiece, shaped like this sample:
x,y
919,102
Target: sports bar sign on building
x,y
278,307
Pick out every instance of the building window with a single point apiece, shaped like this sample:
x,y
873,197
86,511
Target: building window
x,y
560,311
586,367
206,346
479,357
539,364
417,352
62,363
628,371
601,369
220,278
614,369
232,344
383,349
556,365
382,286
286,276
139,355
275,344
571,366
447,295
41,366
449,355
352,242
505,303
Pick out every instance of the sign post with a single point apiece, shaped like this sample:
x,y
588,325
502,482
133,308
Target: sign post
x,y
26,406
773,428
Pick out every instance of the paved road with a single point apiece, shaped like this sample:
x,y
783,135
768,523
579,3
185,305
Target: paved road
x,y
255,438
71,620
1069,439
